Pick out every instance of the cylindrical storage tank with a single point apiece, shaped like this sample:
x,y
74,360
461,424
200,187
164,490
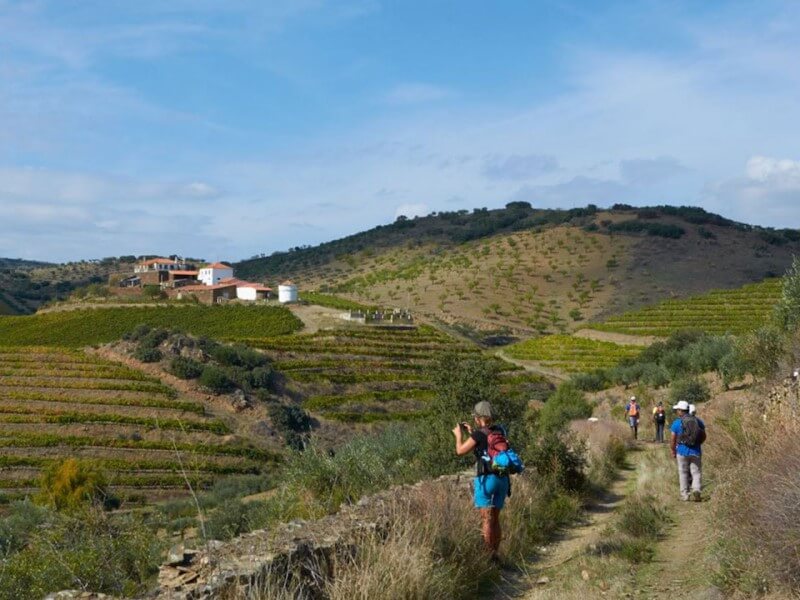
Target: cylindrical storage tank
x,y
287,292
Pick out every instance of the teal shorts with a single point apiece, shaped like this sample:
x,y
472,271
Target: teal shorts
x,y
491,491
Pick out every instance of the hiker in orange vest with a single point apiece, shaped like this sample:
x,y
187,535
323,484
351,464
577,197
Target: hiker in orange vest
x,y
659,420
632,410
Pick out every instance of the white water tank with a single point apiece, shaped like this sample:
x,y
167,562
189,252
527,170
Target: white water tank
x,y
287,292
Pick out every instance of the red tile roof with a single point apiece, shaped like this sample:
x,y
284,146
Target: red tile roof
x,y
184,272
288,282
201,287
218,265
159,261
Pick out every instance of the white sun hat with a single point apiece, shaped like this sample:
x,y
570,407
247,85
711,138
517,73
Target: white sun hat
x,y
682,405
692,409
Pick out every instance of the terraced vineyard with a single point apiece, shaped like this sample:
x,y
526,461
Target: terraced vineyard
x,y
724,311
362,375
76,328
572,354
56,403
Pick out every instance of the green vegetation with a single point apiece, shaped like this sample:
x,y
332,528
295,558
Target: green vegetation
x,y
572,354
75,328
724,311
330,301
124,409
46,551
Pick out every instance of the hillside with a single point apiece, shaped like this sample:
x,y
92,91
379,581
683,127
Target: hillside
x,y
536,270
57,403
25,285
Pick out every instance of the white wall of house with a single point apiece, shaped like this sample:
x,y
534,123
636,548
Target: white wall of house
x,y
211,276
246,293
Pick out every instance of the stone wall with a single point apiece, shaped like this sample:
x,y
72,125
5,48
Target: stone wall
x,y
302,552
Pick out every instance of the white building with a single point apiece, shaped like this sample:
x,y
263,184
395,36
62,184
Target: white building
x,y
287,292
212,274
160,264
252,291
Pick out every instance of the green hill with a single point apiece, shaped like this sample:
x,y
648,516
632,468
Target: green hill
x,y
532,270
721,311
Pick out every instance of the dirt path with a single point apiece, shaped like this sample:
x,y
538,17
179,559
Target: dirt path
x,y
617,338
532,367
680,568
573,542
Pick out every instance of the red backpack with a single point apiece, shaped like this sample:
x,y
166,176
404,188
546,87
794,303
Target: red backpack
x,y
496,441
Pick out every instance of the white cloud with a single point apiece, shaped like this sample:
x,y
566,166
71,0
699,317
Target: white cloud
x,y
411,210
768,193
417,93
779,173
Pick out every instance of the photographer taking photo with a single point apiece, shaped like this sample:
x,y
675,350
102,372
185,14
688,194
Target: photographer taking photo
x,y
490,489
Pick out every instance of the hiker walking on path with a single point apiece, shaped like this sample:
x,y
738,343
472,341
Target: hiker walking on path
x,y
490,489
688,435
632,410
659,420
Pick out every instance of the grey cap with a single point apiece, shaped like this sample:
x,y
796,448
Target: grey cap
x,y
482,409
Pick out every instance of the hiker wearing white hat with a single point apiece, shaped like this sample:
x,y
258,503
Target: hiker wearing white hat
x,y
688,435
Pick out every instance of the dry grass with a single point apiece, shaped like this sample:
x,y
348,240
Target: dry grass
x,y
758,491
431,549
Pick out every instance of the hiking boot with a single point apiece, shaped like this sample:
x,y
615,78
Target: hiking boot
x,y
696,496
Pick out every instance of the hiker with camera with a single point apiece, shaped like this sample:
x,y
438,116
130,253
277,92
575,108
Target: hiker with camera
x,y
495,462
688,435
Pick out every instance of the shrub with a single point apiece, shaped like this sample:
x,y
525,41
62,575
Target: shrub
x,y
591,382
153,291
147,355
566,404
360,466
137,333
185,368
227,521
153,338
641,516
762,351
561,461
116,556
732,367
216,380
72,484
262,377
655,375
787,310
292,422
692,391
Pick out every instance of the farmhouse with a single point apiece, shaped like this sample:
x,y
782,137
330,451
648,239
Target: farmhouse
x,y
209,284
214,273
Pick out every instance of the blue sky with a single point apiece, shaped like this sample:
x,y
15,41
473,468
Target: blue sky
x,y
226,129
